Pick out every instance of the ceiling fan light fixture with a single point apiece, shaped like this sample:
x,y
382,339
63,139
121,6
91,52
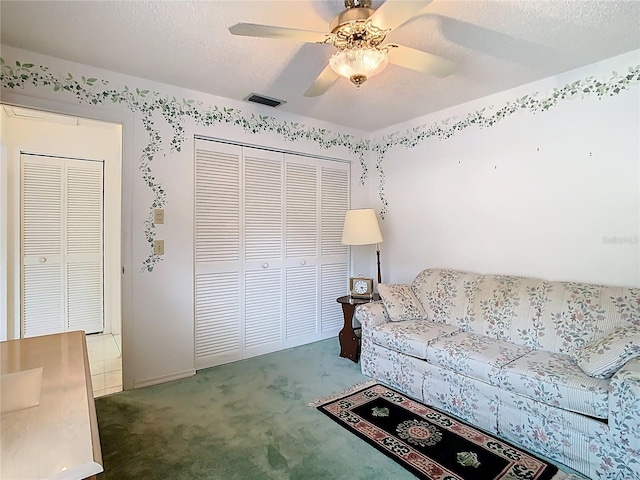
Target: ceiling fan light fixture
x,y
359,64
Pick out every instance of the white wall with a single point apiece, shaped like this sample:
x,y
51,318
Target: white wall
x,y
554,195
158,317
540,213
87,140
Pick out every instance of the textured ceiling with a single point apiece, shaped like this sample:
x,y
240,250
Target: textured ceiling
x,y
496,44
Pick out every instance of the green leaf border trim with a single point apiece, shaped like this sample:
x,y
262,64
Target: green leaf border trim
x,y
174,112
487,117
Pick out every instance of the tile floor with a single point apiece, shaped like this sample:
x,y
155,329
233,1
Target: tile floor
x,y
105,363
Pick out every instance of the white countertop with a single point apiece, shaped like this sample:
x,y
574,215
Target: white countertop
x,y
57,439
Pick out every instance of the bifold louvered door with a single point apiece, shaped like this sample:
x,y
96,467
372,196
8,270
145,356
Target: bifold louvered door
x,y
262,283
62,244
334,269
218,244
263,251
301,278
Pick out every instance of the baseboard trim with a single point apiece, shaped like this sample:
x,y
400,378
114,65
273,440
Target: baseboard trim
x,y
164,378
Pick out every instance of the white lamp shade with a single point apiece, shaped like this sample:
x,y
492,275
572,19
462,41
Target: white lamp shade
x,y
361,227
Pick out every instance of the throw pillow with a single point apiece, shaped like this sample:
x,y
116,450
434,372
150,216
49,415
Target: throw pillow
x,y
604,357
400,302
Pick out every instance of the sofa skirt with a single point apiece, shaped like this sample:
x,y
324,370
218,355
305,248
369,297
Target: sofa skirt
x,y
578,441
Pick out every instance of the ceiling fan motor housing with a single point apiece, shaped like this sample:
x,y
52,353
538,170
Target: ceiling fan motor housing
x,y
357,39
350,15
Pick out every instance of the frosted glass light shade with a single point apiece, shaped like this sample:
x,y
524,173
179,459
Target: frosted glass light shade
x,y
359,64
361,227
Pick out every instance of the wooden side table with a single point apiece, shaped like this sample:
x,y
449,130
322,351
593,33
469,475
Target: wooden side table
x,y
349,342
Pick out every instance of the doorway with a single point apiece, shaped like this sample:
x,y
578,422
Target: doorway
x,y
62,141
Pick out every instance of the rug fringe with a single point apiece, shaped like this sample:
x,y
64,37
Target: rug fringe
x,y
358,386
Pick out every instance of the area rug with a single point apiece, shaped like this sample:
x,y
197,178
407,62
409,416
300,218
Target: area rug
x,y
430,444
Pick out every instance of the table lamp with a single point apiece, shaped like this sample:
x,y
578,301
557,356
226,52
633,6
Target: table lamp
x,y
361,228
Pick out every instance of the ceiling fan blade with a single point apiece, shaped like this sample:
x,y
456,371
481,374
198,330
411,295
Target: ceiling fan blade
x,y
282,33
393,13
322,83
421,61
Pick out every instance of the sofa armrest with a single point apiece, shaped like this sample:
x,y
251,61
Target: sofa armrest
x,y
624,407
371,314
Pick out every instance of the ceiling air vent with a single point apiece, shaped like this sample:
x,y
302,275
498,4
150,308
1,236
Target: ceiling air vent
x,y
262,100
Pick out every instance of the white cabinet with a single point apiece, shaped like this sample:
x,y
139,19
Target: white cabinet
x,y
269,262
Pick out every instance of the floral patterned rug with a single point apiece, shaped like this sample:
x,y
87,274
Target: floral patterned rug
x,y
430,444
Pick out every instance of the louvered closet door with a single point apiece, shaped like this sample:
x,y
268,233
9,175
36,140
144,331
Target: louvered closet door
x,y
84,246
218,231
263,234
269,263
62,244
43,288
302,235
334,269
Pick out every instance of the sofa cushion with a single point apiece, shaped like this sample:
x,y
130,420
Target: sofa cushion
x,y
604,357
474,355
400,302
446,295
410,337
555,379
558,317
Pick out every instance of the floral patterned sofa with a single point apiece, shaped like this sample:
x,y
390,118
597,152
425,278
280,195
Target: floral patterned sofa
x,y
552,366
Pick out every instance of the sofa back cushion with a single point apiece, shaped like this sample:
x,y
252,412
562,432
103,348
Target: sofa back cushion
x,y
604,357
446,295
557,317
400,302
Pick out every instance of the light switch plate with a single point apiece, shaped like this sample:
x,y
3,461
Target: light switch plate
x,y
158,247
158,216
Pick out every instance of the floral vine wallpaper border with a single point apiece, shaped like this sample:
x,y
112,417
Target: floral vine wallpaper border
x,y
489,116
148,103
174,112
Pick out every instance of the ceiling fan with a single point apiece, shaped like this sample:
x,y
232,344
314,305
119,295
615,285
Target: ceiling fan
x,y
358,32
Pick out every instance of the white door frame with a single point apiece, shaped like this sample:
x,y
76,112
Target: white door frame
x,y
4,259
127,163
